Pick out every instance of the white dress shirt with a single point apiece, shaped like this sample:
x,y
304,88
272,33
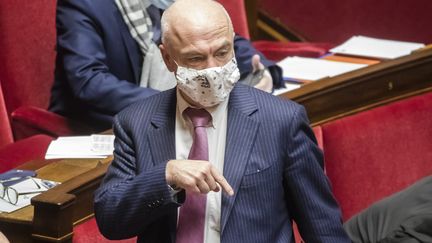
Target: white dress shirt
x,y
216,135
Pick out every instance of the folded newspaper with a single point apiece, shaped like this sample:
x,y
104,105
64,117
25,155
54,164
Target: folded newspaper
x,y
93,146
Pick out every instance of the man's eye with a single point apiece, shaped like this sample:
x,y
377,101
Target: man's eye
x,y
222,54
195,59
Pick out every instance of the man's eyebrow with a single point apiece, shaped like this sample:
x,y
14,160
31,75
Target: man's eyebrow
x,y
225,45
192,53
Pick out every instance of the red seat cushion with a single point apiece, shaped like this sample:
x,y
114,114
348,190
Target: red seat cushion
x,y
89,232
375,153
15,154
27,53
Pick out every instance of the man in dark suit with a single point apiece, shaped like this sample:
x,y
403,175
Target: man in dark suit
x,y
212,161
99,64
404,217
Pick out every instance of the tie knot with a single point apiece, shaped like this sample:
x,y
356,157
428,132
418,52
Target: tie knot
x,y
199,117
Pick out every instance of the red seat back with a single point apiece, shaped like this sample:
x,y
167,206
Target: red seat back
x,y
375,153
5,128
334,21
272,50
27,52
237,11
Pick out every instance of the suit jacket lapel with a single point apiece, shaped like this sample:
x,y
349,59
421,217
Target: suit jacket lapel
x,y
161,136
241,135
130,44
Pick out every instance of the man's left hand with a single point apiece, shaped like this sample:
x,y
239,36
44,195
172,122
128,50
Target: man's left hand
x,y
266,82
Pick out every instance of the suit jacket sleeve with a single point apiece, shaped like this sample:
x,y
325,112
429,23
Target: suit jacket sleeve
x,y
127,201
314,208
80,46
244,52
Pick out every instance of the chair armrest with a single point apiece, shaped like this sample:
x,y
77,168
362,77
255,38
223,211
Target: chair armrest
x,y
277,51
30,120
57,210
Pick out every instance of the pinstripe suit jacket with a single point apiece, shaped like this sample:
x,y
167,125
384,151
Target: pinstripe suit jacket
x,y
271,161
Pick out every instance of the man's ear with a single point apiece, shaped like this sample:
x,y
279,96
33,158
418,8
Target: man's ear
x,y
169,62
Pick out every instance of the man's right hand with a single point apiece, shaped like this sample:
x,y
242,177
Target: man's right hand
x,y
196,176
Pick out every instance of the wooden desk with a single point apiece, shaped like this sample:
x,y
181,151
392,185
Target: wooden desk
x,y
362,89
52,214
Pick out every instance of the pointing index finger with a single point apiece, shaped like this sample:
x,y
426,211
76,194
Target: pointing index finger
x,y
222,182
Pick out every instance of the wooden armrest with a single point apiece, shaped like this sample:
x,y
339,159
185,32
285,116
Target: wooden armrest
x,y
57,210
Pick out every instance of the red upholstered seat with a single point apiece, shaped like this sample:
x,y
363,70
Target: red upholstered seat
x,y
375,153
335,21
89,232
271,49
237,12
6,136
31,148
13,154
27,67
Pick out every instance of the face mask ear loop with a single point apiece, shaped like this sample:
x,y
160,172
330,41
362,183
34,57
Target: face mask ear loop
x,y
175,73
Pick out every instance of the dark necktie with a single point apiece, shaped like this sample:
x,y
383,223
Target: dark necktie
x,y
192,213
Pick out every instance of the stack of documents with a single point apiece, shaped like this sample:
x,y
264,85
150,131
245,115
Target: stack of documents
x,y
376,48
26,189
312,69
94,146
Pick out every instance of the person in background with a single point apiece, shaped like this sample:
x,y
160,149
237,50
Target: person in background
x,y
108,58
404,217
213,160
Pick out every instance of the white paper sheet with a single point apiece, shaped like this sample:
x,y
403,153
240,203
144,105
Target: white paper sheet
x,y
24,200
313,69
288,87
376,48
94,146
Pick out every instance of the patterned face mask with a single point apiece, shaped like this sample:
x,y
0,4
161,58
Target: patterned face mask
x,y
208,87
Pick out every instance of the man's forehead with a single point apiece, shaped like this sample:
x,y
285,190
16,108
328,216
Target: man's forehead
x,y
217,34
206,47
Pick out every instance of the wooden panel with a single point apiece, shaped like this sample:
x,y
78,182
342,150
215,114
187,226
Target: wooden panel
x,y
330,98
67,205
52,214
